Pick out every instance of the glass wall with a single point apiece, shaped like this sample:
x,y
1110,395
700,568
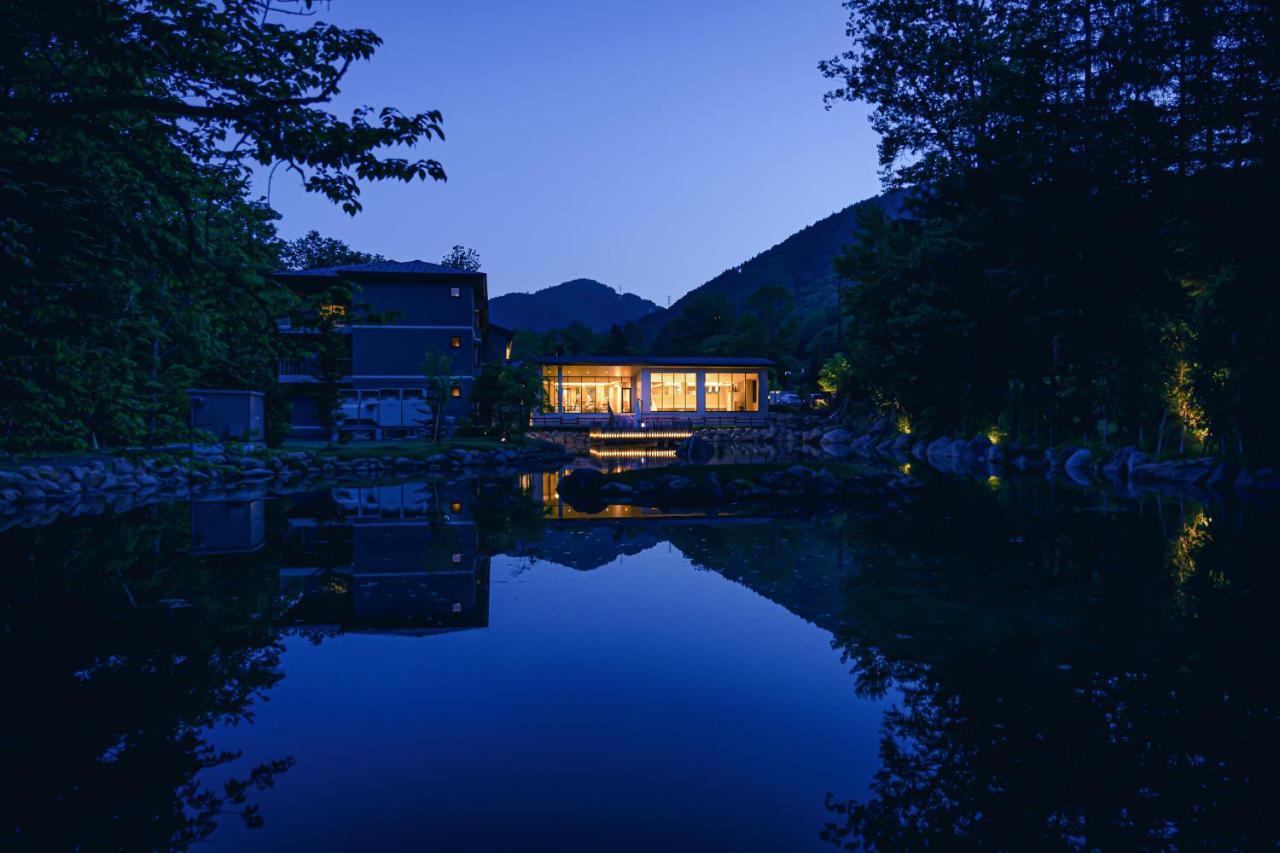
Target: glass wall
x,y
673,392
549,388
592,390
733,392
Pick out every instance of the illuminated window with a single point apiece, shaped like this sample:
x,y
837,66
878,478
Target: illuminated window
x,y
457,558
591,389
455,391
456,506
732,392
549,396
337,313
455,292
673,392
455,341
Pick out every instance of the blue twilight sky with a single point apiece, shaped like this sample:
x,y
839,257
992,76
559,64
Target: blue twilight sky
x,y
649,145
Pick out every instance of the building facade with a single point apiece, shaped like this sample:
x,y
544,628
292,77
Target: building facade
x,y
419,308
650,391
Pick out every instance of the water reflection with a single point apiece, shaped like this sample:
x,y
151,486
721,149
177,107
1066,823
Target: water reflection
x,y
1048,668
389,558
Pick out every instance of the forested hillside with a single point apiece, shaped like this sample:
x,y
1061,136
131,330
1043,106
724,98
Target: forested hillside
x,y
1092,260
597,306
802,263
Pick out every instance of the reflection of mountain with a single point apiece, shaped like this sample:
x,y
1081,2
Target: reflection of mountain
x,y
1069,668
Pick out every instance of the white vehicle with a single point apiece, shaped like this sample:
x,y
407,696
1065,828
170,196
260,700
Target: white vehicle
x,y
785,398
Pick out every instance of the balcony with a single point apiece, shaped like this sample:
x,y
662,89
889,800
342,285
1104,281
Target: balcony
x,y
293,370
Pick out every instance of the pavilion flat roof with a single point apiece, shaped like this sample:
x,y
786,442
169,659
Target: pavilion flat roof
x,y
655,360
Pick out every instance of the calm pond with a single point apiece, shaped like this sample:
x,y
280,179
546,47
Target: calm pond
x,y
470,665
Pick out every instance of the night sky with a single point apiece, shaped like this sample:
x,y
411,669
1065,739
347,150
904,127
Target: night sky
x,y
649,145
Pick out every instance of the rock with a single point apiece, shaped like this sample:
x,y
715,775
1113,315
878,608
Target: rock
x,y
995,454
1183,472
12,479
31,493
121,467
1080,462
146,480
258,474
836,436
695,448
978,446
939,446
799,472
581,481
1222,478
616,490
677,487
902,442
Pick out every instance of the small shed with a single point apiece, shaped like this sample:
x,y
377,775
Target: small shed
x,y
227,527
227,415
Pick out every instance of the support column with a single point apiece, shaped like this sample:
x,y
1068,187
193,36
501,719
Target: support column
x,y
559,389
700,377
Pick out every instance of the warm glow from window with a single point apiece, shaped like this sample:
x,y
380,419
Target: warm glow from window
x,y
335,311
673,392
455,341
455,391
732,392
456,506
590,389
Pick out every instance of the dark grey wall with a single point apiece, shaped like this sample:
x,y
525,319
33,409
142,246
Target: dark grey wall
x,y
422,303
399,352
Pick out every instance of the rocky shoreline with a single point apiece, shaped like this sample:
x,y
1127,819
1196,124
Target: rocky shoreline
x,y
75,487
590,490
1126,468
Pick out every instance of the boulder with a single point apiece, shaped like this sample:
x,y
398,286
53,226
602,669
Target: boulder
x,y
121,467
1182,472
580,481
978,446
836,436
616,490
1080,462
258,474
938,446
11,479
146,481
902,442
31,493
696,449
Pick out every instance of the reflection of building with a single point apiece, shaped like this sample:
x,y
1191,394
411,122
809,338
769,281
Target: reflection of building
x,y
227,527
399,558
585,390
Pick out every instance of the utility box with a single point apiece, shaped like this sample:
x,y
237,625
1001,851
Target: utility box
x,y
228,415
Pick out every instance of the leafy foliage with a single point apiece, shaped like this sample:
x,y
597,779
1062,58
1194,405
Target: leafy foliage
x,y
313,251
1087,223
462,258
133,263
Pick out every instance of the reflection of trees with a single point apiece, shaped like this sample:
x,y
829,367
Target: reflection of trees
x,y
121,653
1084,687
